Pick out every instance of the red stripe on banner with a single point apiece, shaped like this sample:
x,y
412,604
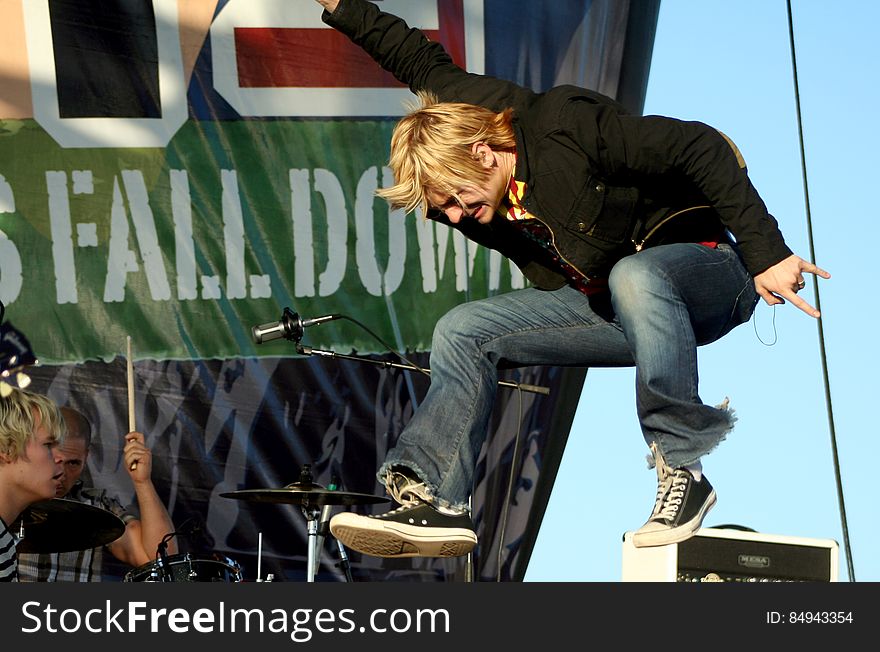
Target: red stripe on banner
x,y
277,57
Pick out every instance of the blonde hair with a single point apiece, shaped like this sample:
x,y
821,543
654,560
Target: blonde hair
x,y
431,149
18,420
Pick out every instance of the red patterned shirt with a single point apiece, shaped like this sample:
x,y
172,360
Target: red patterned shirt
x,y
537,231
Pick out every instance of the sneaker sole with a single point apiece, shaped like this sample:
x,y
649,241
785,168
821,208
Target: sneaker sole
x,y
674,535
382,539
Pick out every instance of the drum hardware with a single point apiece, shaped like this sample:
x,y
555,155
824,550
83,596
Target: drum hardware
x,y
161,562
311,498
324,524
187,568
270,577
64,525
162,558
324,530
260,557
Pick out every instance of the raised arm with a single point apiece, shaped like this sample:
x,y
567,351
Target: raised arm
x,y
415,60
141,539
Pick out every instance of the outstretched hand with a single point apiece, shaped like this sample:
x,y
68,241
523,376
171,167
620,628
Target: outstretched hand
x,y
783,280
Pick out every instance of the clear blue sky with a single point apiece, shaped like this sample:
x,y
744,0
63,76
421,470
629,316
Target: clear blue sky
x,y
729,64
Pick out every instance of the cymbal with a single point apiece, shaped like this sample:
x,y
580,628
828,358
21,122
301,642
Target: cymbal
x,y
63,525
306,494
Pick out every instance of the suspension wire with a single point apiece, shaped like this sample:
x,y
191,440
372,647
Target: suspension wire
x,y
828,403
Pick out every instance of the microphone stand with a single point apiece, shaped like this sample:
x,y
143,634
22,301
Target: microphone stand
x,y
307,350
324,524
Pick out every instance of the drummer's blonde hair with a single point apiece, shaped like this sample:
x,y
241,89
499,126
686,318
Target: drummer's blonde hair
x,y
18,419
431,150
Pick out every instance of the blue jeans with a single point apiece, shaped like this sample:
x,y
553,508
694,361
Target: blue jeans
x,y
662,303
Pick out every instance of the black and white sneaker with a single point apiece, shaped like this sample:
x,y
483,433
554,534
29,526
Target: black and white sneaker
x,y
682,503
415,529
412,530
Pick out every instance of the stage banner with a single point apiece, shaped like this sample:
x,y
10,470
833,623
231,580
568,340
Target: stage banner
x,y
180,171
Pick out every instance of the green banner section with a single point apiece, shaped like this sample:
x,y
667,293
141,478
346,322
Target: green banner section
x,y
185,248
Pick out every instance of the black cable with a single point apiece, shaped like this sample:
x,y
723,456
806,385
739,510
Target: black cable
x,y
828,403
385,344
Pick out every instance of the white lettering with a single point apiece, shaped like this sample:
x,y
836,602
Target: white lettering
x,y
10,270
330,280
203,621
77,620
303,234
154,618
184,246
62,237
111,620
89,614
374,280
121,260
26,613
178,620
145,230
134,615
233,236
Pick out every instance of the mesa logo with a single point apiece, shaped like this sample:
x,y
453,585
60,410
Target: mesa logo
x,y
754,561
277,58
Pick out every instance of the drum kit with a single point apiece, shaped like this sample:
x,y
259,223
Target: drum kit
x,y
63,525
314,501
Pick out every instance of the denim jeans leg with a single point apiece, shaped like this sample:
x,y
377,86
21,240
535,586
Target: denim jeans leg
x,y
442,441
669,300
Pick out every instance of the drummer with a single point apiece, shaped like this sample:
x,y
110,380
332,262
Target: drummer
x,y
140,541
30,428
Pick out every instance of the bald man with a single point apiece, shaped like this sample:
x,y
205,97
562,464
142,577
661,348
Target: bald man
x,y
138,544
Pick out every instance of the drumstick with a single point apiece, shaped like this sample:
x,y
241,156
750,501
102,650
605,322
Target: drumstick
x,y
130,375
259,556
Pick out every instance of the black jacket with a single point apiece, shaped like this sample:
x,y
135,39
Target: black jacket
x,y
605,183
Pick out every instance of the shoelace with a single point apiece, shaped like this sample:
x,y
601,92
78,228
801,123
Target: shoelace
x,y
405,490
663,480
675,486
671,485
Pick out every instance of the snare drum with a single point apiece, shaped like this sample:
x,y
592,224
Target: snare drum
x,y
186,568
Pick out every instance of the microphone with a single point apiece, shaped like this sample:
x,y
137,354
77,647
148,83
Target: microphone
x,y
162,557
162,549
290,327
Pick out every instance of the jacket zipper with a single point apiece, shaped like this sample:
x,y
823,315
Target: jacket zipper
x,y
555,248
653,230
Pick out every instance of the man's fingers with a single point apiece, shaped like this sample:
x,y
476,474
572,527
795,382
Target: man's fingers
x,y
810,268
803,305
769,298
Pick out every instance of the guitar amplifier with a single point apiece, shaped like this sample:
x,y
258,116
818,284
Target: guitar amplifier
x,y
729,555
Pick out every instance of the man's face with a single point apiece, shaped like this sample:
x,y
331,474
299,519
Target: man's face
x,y
37,472
481,200
475,202
71,454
